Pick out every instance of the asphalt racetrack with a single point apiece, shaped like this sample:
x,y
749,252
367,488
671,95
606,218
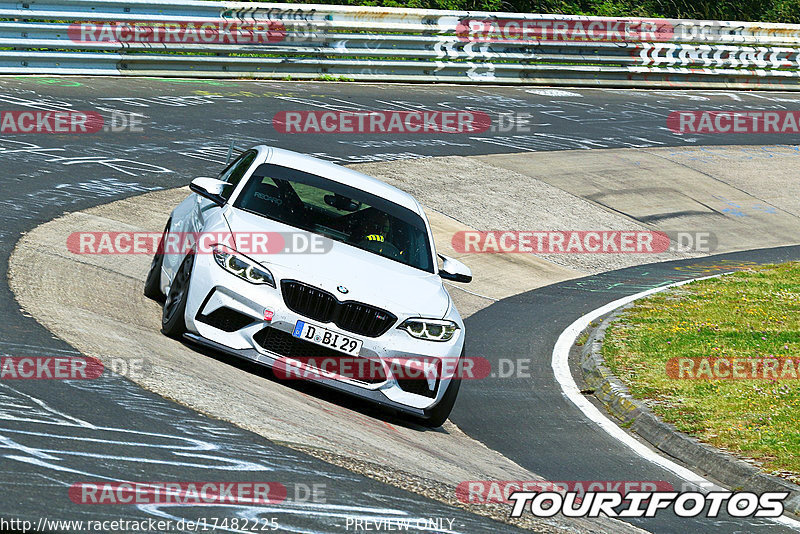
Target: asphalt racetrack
x,y
54,434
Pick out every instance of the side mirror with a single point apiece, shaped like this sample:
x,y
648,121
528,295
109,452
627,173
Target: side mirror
x,y
454,270
210,188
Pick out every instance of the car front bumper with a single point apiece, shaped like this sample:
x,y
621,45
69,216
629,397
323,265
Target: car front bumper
x,y
212,289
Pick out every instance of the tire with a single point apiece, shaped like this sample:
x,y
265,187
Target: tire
x,y
152,284
439,413
173,323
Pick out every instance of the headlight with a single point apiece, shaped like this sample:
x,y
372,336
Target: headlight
x,y
430,329
241,266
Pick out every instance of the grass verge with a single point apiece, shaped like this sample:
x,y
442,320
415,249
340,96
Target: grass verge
x,y
752,314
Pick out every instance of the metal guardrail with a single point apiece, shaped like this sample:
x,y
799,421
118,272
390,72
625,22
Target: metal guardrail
x,y
304,41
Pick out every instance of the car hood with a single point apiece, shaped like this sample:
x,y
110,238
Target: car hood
x,y
369,278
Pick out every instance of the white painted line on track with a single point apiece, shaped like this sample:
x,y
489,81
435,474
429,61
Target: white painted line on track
x,y
560,365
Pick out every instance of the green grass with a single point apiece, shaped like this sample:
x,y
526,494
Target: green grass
x,y
330,78
753,313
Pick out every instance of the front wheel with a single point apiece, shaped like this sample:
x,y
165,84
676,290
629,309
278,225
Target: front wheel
x,y
439,413
173,323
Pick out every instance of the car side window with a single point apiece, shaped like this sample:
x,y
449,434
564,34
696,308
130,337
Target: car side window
x,y
235,171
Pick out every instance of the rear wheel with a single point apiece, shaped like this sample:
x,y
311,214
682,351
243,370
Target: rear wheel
x,y
152,284
173,323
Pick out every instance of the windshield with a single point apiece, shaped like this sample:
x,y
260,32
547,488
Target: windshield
x,y
339,212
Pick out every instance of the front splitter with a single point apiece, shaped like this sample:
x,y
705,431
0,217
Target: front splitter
x,y
374,396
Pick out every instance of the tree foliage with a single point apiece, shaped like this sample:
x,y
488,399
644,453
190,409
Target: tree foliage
x,y
787,11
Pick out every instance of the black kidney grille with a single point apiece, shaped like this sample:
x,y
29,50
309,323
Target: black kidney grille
x,y
320,305
309,301
362,319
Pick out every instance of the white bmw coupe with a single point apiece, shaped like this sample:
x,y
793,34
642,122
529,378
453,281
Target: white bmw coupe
x,y
319,272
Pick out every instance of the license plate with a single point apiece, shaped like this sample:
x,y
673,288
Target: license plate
x,y
327,338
